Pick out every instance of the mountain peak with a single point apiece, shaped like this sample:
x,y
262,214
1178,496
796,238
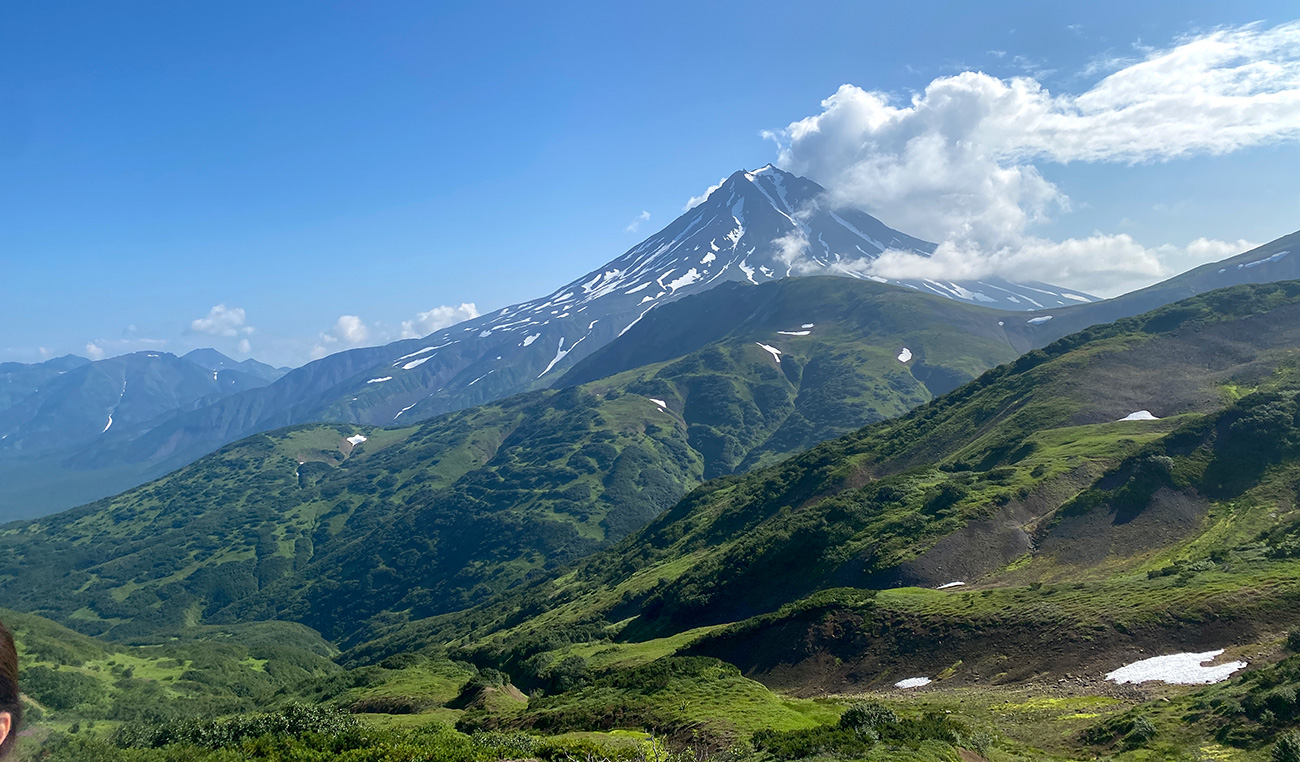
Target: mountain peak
x,y
769,168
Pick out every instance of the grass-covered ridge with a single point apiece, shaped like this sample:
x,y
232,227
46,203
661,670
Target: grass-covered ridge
x,y
300,524
896,501
768,615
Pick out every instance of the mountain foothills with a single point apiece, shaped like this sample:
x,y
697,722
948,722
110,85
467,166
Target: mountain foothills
x,y
332,524
953,582
755,228
69,403
688,505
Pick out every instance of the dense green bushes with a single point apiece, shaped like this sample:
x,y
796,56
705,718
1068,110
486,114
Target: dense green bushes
x,y
861,727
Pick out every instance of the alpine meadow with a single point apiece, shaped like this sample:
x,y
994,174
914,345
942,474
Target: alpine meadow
x,y
335,426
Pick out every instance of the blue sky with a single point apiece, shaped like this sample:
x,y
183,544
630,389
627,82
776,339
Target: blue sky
x,y
303,161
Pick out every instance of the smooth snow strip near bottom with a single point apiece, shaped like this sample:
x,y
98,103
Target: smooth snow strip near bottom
x,y
1141,415
913,682
561,352
628,327
422,351
794,333
950,585
1178,669
776,353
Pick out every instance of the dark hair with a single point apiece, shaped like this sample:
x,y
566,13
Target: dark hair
x,y
9,689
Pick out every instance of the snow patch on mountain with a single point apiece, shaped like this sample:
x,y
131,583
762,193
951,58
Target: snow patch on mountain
x,y
776,353
1177,669
1141,415
560,354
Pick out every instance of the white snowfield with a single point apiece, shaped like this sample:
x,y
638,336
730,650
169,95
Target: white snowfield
x,y
1264,261
1177,669
561,352
1039,320
776,353
1141,415
379,380
660,403
913,682
738,232
356,439
950,585
417,363
905,355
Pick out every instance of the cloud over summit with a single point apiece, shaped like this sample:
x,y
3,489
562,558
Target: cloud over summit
x,y
958,163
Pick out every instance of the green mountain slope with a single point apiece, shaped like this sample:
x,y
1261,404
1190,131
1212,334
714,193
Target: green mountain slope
x,y
50,413
69,677
1083,542
299,524
1023,484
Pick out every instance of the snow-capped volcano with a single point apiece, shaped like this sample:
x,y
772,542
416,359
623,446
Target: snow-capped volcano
x,y
757,226
769,224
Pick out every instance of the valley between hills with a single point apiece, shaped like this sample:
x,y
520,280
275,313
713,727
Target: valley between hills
x,y
781,537
692,504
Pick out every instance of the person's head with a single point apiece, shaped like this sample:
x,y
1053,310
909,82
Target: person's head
x,y
11,711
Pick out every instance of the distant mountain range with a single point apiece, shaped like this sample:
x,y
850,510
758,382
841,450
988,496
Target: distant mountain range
x,y
68,404
756,227
215,361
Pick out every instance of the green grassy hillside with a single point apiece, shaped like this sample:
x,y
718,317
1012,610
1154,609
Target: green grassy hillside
x,y
768,615
299,524
1084,543
70,679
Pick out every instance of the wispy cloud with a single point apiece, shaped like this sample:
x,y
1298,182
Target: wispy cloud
x,y
695,201
352,331
635,224
438,318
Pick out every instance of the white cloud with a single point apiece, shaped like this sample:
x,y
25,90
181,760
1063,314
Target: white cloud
x,y
348,331
98,349
695,201
222,321
245,346
1100,264
635,224
438,318
957,163
351,331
